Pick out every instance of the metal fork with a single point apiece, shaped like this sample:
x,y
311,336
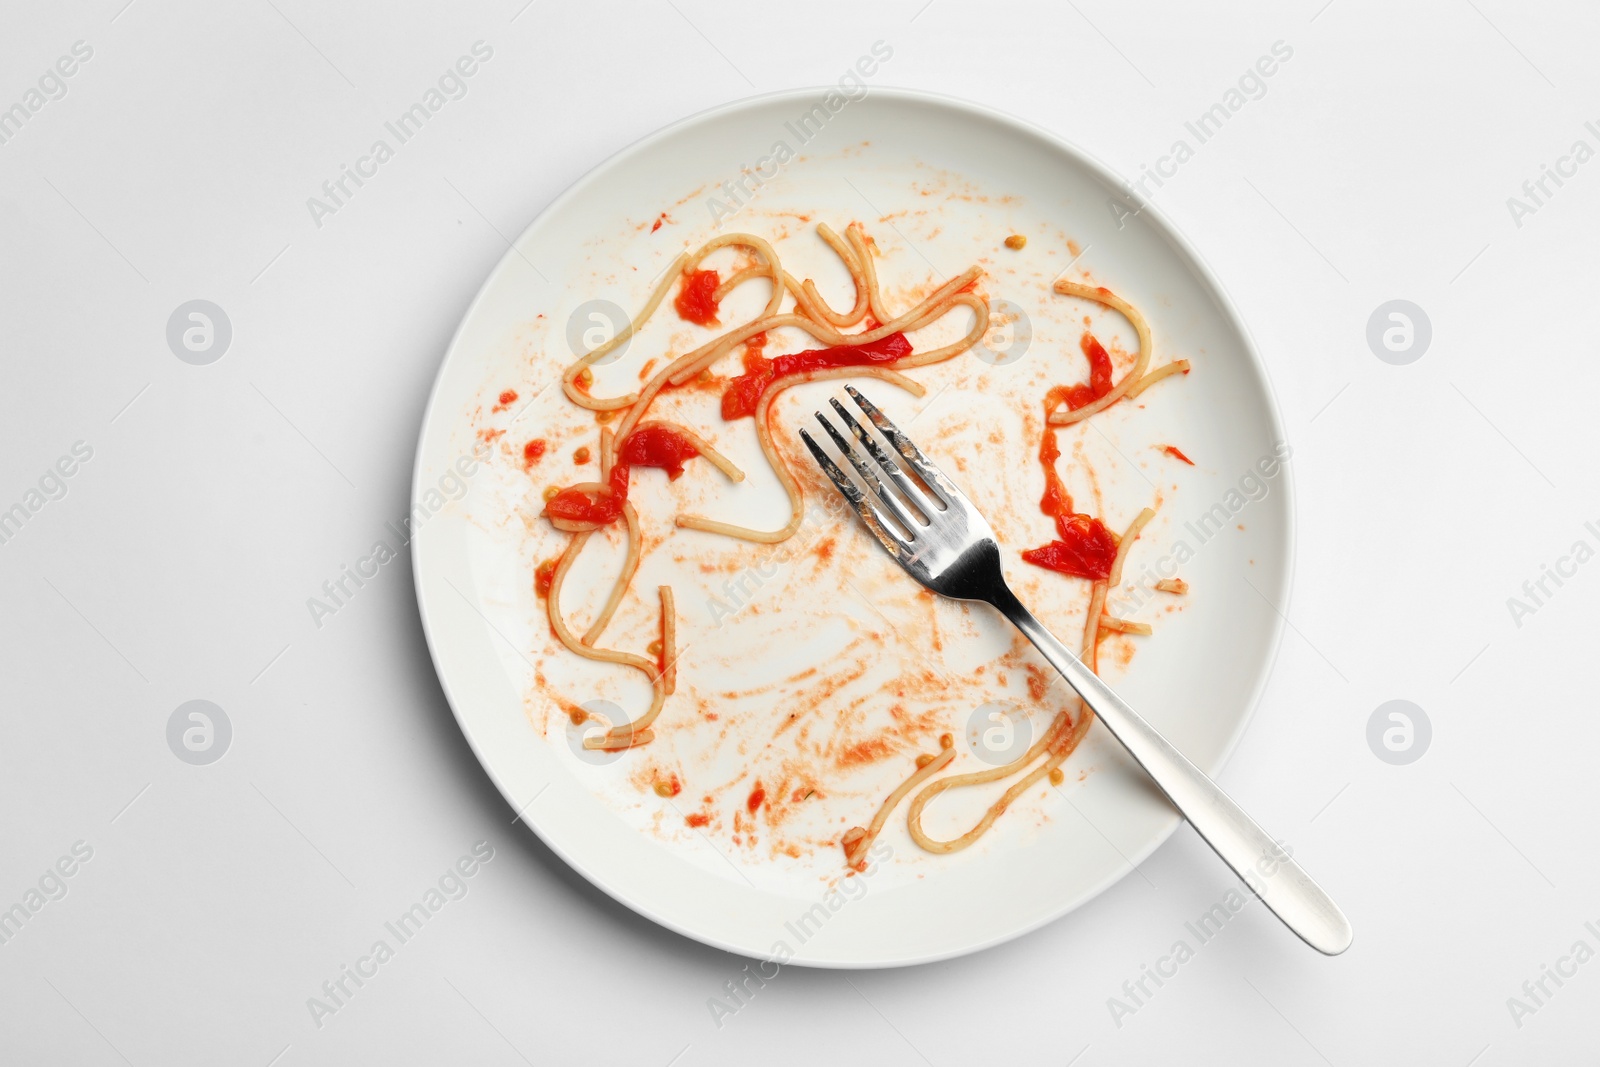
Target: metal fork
x,y
933,531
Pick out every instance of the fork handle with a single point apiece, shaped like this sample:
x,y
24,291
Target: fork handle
x,y
1253,854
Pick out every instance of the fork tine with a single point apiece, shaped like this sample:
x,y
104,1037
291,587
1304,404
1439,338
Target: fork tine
x,y
913,456
874,519
863,468
907,487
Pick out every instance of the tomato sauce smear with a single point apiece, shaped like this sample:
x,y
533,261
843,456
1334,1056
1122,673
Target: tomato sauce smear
x,y
651,446
601,506
1081,396
744,392
697,297
658,446
544,577
1083,547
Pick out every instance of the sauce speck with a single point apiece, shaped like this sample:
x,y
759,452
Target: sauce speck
x,y
543,576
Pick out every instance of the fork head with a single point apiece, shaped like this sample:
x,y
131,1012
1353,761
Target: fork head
x,y
921,519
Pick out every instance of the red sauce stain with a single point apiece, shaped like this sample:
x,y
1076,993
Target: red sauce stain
x,y
744,392
1083,547
757,795
533,452
663,217
658,446
602,506
1055,500
507,398
697,297
869,751
699,818
1176,453
1038,684
1100,371
543,576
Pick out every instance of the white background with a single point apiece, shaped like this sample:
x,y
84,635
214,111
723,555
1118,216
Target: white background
x,y
219,498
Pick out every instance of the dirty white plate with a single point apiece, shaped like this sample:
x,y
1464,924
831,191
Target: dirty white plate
x,y
939,183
